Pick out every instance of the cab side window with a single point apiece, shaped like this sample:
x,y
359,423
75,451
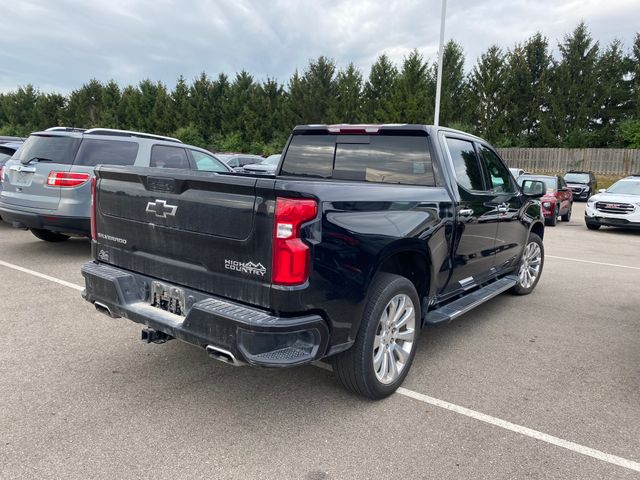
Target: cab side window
x,y
466,164
499,178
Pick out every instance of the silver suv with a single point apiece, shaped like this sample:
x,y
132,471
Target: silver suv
x,y
46,184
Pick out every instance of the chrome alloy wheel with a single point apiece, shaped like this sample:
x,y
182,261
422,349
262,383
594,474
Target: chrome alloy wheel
x,y
394,338
530,265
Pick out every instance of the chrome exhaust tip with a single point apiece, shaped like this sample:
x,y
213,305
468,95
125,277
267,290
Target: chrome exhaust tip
x,y
223,355
102,308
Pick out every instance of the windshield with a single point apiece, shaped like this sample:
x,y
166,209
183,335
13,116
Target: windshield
x,y
550,183
271,160
625,187
577,177
56,149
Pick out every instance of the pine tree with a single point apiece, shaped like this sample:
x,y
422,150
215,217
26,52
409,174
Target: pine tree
x,y
614,90
110,105
379,92
412,90
527,88
454,97
181,107
574,102
319,91
348,105
636,77
487,95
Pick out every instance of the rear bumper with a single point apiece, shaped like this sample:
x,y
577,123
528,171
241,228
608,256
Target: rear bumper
x,y
252,335
27,219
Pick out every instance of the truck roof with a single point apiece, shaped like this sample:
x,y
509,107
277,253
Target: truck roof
x,y
363,129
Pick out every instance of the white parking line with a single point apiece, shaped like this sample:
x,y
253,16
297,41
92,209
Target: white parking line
x,y
594,263
482,417
41,275
528,432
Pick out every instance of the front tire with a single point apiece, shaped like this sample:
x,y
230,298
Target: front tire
x,y
530,268
48,235
379,360
553,220
593,226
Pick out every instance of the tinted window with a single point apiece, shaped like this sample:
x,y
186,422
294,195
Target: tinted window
x,y
465,164
384,159
310,155
549,182
169,157
58,149
207,162
577,177
499,176
106,152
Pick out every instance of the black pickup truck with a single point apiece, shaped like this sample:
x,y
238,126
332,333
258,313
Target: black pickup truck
x,y
365,235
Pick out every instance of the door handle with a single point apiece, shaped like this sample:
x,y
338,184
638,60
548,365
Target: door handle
x,y
503,208
466,212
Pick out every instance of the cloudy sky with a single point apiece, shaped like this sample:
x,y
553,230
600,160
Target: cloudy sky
x,y
59,45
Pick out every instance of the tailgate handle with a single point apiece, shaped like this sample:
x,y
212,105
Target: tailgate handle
x,y
161,184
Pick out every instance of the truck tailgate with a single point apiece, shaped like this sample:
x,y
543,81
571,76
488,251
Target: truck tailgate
x,y
202,230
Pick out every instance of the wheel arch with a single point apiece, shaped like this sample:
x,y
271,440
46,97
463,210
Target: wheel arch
x,y
538,229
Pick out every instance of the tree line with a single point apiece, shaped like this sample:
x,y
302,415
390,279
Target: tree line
x,y
587,95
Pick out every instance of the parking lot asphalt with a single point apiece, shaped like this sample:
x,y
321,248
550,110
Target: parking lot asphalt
x,y
82,397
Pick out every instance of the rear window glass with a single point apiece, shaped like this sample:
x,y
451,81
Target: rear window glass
x,y
106,152
169,157
400,159
310,156
56,149
384,159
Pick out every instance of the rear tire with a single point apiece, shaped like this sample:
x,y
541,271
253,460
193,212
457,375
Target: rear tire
x,y
530,268
567,216
379,360
48,235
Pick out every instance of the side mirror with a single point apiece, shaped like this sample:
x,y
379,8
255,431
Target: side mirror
x,y
533,188
602,190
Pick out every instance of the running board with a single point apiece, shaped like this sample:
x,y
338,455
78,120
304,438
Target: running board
x,y
454,309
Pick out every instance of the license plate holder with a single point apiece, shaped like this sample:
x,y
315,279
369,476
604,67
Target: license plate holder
x,y
168,298
21,178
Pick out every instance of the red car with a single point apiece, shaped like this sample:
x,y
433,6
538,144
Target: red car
x,y
558,200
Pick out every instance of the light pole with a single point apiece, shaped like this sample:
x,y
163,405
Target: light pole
x,y
436,115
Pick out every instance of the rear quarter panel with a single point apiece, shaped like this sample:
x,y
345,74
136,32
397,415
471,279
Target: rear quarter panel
x,y
356,230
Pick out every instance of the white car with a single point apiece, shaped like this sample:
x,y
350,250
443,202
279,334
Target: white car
x,y
517,172
617,206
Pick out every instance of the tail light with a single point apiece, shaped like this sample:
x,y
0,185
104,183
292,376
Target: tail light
x,y
66,179
290,254
94,230
1,173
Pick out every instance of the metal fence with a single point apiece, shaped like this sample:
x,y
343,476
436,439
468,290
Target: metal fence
x,y
602,161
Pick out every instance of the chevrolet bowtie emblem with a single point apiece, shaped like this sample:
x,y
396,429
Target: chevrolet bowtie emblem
x,y
161,209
